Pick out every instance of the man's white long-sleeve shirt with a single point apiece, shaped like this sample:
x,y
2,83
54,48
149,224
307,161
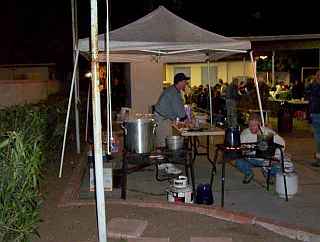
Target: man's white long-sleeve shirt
x,y
248,137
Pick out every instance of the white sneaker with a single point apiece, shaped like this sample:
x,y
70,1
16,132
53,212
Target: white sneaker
x,y
169,168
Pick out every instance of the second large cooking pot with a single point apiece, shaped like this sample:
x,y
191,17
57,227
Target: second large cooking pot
x,y
174,142
139,135
232,137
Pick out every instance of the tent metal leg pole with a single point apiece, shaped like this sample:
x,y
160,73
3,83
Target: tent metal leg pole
x,y
109,110
68,112
76,85
273,74
244,66
214,80
210,98
254,66
108,78
227,74
97,130
87,114
76,111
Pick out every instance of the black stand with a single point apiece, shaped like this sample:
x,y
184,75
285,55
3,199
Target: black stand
x,y
233,153
180,157
194,143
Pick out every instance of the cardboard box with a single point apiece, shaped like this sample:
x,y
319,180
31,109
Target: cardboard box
x,y
107,177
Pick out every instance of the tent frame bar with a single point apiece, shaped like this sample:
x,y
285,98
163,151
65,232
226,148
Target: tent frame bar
x,y
254,67
68,111
74,16
159,52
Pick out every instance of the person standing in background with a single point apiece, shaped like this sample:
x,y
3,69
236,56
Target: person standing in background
x,y
188,93
223,87
118,94
232,98
313,93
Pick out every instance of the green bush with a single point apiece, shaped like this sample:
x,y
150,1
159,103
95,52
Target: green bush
x,y
20,166
30,135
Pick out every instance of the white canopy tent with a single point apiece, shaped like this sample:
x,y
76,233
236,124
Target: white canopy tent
x,y
164,37
160,36
165,34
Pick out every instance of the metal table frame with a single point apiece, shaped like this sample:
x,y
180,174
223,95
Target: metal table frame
x,y
193,141
227,151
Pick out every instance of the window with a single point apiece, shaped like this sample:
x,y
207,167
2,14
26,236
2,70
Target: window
x,y
213,75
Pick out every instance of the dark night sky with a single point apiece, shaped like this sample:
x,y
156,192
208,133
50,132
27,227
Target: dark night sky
x,y
40,31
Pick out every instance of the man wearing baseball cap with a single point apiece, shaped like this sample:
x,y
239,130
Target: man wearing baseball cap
x,y
170,107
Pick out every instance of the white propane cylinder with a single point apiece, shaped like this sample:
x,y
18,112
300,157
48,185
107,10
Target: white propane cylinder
x,y
180,195
180,182
292,184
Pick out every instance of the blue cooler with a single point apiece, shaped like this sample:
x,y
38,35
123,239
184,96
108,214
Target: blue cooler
x,y
204,194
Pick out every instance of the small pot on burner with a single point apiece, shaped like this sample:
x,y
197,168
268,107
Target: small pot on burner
x,y
174,142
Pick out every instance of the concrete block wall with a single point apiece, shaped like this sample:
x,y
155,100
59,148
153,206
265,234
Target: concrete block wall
x,y
18,92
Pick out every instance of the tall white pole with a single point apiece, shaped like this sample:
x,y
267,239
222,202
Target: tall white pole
x,y
96,111
210,99
319,58
214,80
68,112
254,67
273,73
76,86
109,110
227,72
244,66
87,113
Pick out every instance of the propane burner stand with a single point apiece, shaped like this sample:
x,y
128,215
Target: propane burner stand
x,y
140,161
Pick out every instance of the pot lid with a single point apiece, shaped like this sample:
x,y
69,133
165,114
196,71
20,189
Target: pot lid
x,y
139,120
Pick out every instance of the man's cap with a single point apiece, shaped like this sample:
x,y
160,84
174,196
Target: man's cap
x,y
180,77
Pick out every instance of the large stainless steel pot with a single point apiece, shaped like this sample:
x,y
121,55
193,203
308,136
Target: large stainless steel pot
x,y
139,135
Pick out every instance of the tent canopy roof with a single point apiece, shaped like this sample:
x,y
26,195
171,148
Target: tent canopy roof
x,y
161,25
165,33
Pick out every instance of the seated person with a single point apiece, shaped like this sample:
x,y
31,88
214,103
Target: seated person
x,y
249,135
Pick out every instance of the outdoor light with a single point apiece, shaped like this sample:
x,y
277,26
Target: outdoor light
x,y
263,57
88,75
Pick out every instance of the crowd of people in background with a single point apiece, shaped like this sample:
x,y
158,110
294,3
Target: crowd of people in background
x,y
240,94
244,93
295,90
227,99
